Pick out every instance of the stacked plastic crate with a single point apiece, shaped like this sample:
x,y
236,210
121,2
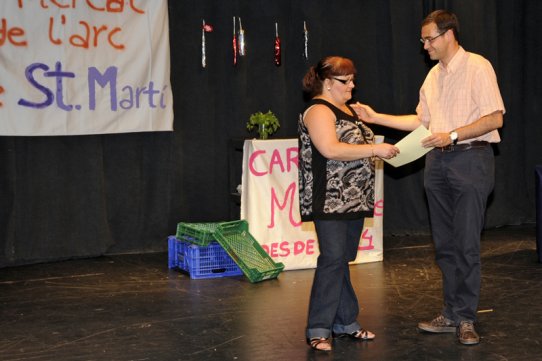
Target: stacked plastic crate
x,y
210,250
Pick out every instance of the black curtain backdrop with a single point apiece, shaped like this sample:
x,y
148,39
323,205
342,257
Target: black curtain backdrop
x,y
84,196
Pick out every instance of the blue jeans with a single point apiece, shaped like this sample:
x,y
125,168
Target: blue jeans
x,y
457,185
333,303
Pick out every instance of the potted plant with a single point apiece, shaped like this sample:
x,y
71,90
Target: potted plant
x,y
265,123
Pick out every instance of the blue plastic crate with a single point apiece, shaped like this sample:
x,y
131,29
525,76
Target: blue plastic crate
x,y
210,261
176,251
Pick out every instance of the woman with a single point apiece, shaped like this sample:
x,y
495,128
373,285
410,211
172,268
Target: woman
x,y
336,181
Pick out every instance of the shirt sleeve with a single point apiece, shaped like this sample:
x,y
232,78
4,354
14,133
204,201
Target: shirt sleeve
x,y
422,110
486,92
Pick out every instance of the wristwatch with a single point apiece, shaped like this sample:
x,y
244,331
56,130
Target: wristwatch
x,y
454,137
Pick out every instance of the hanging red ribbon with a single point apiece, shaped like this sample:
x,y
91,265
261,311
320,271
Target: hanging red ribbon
x,y
234,44
277,46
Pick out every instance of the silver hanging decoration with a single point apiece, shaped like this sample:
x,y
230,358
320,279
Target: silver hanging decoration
x,y
241,38
306,34
206,28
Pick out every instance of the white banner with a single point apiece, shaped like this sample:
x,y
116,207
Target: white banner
x,y
84,67
270,205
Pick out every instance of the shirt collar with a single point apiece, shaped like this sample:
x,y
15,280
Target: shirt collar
x,y
455,62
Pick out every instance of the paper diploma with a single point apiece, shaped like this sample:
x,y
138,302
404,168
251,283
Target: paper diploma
x,y
410,147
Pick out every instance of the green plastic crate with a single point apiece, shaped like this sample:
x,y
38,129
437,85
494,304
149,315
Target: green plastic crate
x,y
255,263
201,234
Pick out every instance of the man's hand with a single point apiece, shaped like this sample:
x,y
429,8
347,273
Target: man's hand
x,y
437,140
364,112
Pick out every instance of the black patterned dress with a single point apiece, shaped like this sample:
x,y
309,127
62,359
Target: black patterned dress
x,y
333,189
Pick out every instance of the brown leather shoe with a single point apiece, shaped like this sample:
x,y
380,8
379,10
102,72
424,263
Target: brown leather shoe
x,y
438,325
467,334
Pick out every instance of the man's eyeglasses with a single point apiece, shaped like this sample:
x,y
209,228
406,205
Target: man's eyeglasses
x,y
430,40
346,81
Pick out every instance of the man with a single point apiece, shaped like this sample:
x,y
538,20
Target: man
x,y
461,105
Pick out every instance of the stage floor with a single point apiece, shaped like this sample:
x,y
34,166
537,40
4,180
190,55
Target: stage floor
x,y
132,307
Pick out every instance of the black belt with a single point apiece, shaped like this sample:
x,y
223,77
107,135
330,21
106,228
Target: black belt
x,y
463,146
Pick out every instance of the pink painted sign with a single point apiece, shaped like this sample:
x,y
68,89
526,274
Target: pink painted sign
x,y
270,204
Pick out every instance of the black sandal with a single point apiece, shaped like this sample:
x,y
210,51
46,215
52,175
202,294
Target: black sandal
x,y
317,341
362,335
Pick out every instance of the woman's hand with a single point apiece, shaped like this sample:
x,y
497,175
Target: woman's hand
x,y
385,150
